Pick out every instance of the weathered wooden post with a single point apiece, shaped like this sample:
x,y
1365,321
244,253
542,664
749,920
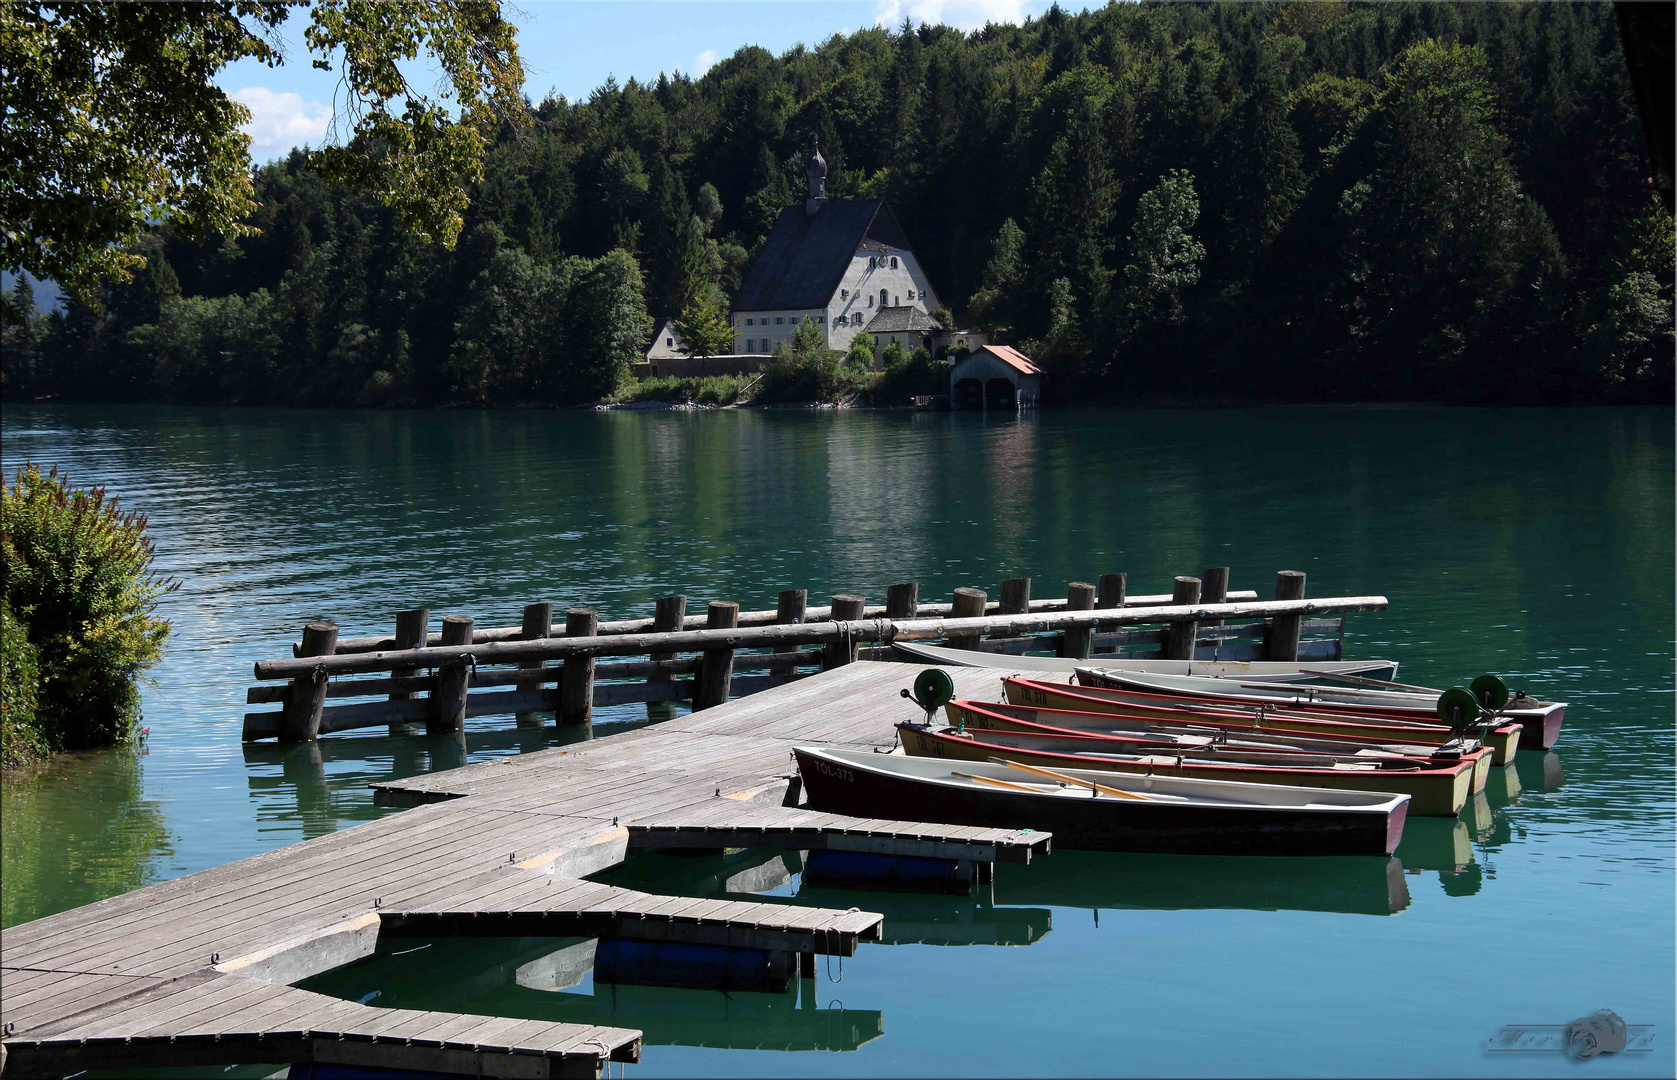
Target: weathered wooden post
x,y
1074,642
789,609
538,623
1283,638
412,628
307,694
1015,600
1214,589
576,692
716,666
969,604
902,601
448,700
1111,595
1179,636
838,653
667,618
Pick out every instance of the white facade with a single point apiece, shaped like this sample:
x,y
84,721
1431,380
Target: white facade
x,y
876,277
875,273
761,331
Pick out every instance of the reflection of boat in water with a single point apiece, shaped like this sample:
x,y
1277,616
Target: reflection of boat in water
x,y
552,979
1445,846
910,918
1353,885
1540,773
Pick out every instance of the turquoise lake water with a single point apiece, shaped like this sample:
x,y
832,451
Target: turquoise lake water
x,y
1534,543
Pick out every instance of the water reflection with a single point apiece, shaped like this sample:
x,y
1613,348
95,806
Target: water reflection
x,y
323,785
552,979
76,832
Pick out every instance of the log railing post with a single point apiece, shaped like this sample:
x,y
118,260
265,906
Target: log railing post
x,y
448,700
538,623
716,666
1110,596
576,693
1179,636
1214,589
902,601
969,604
667,618
307,693
412,628
839,653
1283,638
1015,600
1074,641
789,610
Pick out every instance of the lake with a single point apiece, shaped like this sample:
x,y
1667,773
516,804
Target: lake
x,y
1537,544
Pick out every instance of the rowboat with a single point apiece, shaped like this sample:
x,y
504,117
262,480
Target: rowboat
x,y
1248,671
1435,789
1183,728
1540,720
1105,811
1132,707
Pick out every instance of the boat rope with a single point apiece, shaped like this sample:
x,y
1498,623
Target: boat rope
x,y
884,630
830,969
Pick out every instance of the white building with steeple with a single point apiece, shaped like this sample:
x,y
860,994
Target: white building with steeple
x,y
843,263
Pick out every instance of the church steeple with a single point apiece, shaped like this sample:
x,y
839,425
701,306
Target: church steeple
x,y
817,182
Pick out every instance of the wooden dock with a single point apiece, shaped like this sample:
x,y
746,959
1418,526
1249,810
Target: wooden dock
x,y
197,970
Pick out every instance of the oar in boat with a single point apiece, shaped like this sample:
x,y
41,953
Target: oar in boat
x,y
1070,781
1368,682
998,783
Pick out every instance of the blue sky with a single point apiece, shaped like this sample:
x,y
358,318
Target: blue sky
x,y
571,46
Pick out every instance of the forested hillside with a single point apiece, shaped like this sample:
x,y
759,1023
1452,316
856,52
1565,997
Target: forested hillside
x,y
1312,201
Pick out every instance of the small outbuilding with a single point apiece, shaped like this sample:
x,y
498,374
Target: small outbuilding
x,y
995,377
906,326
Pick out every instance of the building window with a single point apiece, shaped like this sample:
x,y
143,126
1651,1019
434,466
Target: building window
x,y
870,301
883,302
669,343
748,322
893,262
844,294
872,262
778,319
899,301
818,319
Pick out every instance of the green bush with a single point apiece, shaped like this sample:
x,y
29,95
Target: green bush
x,y
907,375
707,389
809,371
21,739
78,576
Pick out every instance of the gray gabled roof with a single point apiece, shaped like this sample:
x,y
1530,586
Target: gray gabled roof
x,y
902,320
805,254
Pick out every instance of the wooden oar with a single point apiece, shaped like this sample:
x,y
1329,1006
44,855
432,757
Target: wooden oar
x,y
1367,681
1070,781
997,783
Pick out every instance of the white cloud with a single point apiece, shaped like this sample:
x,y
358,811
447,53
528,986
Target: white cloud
x,y
703,62
280,121
961,14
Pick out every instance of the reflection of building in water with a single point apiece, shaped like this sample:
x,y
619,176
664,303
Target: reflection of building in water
x,y
878,501
1010,461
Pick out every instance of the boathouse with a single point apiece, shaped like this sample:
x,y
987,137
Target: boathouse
x,y
995,377
836,262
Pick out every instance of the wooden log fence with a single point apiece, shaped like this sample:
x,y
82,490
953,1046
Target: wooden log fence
x,y
464,672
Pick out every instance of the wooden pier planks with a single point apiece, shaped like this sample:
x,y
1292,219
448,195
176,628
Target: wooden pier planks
x,y
211,1018
501,844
